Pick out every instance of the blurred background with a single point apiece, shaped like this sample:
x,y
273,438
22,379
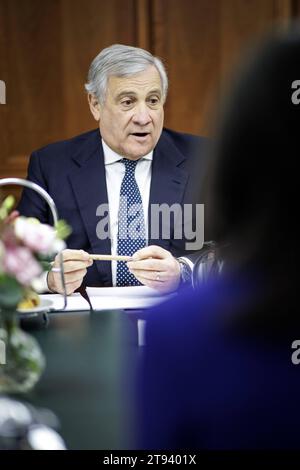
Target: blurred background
x,y
46,48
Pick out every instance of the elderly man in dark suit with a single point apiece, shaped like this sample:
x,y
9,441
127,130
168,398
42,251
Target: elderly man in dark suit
x,y
131,159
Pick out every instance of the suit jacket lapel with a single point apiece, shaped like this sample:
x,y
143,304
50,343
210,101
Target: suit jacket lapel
x,y
168,182
89,185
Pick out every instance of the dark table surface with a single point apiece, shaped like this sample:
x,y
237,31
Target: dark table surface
x,y
89,379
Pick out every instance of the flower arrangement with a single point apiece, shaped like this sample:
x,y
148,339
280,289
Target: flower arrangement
x,y
26,249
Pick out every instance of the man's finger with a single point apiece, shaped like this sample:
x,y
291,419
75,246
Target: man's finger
x,y
159,286
75,276
147,264
152,251
70,288
149,275
70,266
72,281
78,255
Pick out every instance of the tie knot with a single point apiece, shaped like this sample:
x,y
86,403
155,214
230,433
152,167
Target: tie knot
x,y
129,164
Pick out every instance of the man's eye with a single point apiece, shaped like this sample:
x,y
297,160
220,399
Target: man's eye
x,y
127,102
154,100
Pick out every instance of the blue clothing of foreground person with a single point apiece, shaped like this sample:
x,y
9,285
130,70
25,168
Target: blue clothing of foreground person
x,y
211,382
219,368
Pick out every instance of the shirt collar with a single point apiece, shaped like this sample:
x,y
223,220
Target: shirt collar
x,y
110,156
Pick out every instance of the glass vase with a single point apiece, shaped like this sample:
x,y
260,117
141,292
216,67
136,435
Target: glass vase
x,y
21,359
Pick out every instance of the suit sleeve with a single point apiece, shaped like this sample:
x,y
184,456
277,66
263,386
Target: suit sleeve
x,y
31,203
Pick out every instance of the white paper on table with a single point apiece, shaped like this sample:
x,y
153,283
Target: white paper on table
x,y
109,298
75,302
132,297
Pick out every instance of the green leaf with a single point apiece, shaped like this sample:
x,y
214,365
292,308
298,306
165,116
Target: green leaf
x,y
11,292
9,203
3,213
63,230
6,207
46,265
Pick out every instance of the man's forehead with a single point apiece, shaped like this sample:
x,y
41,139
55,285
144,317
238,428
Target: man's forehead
x,y
143,81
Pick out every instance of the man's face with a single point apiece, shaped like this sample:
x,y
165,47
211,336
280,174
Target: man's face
x,y
131,119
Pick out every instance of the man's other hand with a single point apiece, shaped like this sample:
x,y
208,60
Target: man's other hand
x,y
155,267
75,264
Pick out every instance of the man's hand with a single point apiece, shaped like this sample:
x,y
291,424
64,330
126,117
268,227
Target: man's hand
x,y
76,263
155,267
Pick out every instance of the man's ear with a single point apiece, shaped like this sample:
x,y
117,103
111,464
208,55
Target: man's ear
x,y
94,106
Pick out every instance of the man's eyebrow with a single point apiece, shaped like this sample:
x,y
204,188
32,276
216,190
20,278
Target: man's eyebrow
x,y
125,93
156,91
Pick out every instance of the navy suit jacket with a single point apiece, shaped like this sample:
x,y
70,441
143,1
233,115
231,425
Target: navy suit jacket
x,y
73,173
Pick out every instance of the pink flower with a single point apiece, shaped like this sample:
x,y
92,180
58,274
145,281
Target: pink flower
x,y
38,237
19,262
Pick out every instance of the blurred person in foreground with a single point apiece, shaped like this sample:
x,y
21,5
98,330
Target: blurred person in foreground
x,y
220,366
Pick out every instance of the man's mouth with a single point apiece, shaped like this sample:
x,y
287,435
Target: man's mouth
x,y
140,134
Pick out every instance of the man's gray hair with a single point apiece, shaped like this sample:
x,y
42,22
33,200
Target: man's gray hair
x,y
121,61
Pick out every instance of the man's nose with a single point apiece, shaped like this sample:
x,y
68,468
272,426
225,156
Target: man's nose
x,y
141,115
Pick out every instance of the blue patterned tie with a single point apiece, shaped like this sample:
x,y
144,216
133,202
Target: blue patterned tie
x,y
131,233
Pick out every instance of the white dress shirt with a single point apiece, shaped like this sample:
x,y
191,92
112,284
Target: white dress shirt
x,y
114,172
